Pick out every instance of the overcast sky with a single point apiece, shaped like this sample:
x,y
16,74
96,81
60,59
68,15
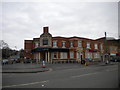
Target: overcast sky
x,y
24,20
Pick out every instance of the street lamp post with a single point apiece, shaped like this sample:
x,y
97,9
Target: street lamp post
x,y
105,54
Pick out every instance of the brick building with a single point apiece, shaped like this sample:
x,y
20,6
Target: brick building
x,y
63,49
111,47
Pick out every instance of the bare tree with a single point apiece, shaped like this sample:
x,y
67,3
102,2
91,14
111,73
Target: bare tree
x,y
3,44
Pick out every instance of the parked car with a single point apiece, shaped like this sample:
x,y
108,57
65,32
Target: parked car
x,y
115,60
11,60
33,60
27,60
18,60
4,61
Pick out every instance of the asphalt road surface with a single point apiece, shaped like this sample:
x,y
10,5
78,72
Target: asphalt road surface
x,y
65,76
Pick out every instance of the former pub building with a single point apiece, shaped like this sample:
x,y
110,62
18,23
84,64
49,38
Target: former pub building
x,y
62,49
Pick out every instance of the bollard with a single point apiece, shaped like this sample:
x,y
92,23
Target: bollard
x,y
86,64
43,64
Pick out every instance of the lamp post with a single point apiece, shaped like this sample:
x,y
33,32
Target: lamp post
x,y
106,50
105,53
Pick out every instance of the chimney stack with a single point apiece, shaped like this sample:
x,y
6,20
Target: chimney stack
x,y
45,29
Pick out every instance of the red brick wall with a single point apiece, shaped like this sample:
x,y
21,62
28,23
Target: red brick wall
x,y
28,46
75,44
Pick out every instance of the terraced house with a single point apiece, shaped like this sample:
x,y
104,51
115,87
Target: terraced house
x,y
63,49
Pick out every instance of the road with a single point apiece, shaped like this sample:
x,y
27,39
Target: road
x,y
65,76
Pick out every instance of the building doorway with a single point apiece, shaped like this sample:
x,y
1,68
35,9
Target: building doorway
x,y
81,57
42,54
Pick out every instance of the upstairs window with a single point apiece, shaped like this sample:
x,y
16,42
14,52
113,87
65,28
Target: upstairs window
x,y
96,46
54,43
45,42
71,44
88,45
63,44
36,45
79,43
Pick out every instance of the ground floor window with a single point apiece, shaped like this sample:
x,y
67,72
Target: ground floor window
x,y
71,54
63,55
79,55
96,55
89,55
36,55
54,55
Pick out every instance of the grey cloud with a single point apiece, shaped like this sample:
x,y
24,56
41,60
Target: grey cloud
x,y
26,20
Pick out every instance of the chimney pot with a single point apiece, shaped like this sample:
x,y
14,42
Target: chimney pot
x,y
45,29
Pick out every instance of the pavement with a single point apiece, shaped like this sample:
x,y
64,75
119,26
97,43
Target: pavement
x,y
23,68
35,68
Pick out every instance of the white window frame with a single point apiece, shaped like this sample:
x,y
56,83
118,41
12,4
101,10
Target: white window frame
x,y
54,54
63,55
96,55
96,46
63,44
71,54
79,43
54,43
88,44
78,55
36,44
89,55
71,44
45,43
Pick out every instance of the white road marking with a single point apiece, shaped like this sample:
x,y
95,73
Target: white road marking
x,y
66,67
108,70
43,85
74,69
84,75
26,84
